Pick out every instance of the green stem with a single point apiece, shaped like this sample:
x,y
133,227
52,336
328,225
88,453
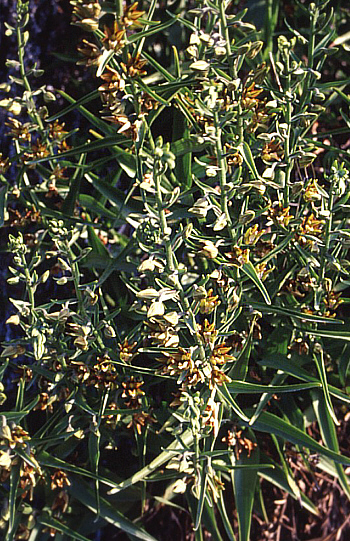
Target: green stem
x,y
306,95
119,10
162,217
327,234
140,44
225,34
232,67
222,174
29,286
171,266
288,142
32,108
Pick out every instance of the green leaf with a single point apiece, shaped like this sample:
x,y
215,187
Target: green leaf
x,y
244,149
209,520
95,121
249,270
319,361
332,85
158,67
229,400
185,145
337,335
151,92
117,197
3,203
82,492
68,205
281,246
245,387
278,478
101,144
178,444
153,30
15,415
182,169
270,423
202,472
329,435
280,362
281,310
91,204
104,59
225,519
244,481
14,480
240,366
75,104
45,459
98,249
51,522
277,378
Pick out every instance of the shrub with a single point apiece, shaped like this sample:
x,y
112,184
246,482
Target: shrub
x,y
178,275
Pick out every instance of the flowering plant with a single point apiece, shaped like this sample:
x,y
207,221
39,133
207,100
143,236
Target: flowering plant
x,y
172,286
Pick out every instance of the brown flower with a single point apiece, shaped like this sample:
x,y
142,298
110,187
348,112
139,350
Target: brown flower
x,y
114,37
4,164
45,402
18,130
132,389
238,256
131,16
127,351
272,151
252,235
208,332
113,82
209,303
220,354
59,479
140,420
244,444
91,54
280,215
134,66
250,96
126,127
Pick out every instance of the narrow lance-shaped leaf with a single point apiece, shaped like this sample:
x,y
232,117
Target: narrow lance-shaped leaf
x,y
244,149
240,367
3,200
244,387
229,400
319,360
289,367
249,270
202,495
281,310
68,205
185,440
270,423
74,104
55,524
82,492
244,481
329,435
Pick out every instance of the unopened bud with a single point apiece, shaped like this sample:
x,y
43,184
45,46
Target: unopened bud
x,y
209,250
254,49
247,217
